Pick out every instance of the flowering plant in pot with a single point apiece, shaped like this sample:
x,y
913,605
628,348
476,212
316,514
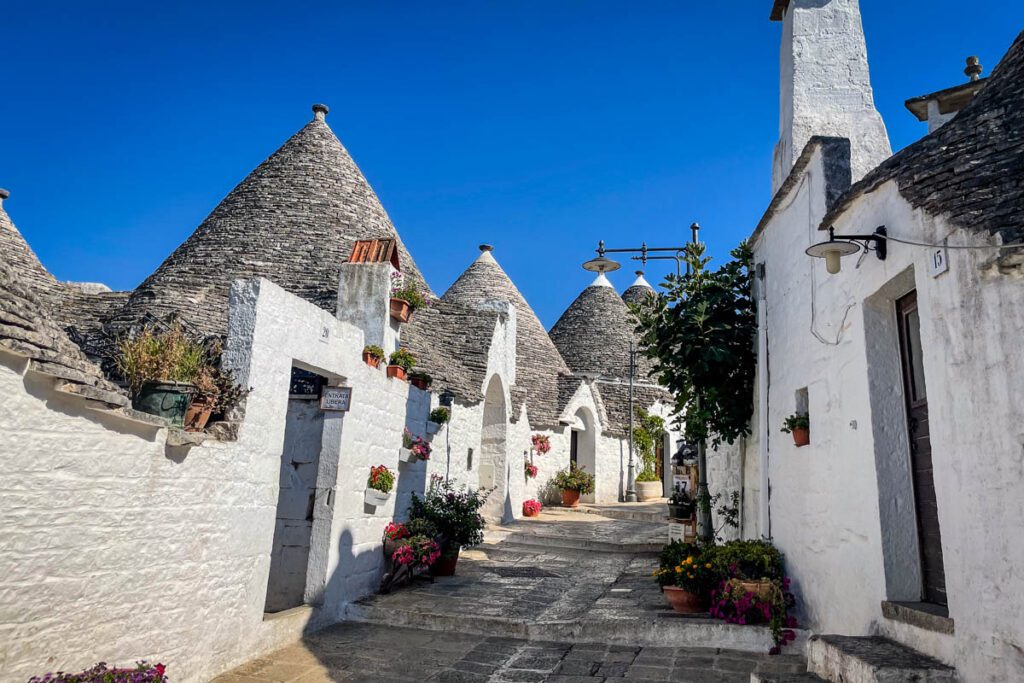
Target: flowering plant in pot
x,y
406,297
541,443
531,508
530,470
373,355
686,576
409,550
573,481
799,425
400,363
378,486
456,515
420,380
142,673
734,603
416,448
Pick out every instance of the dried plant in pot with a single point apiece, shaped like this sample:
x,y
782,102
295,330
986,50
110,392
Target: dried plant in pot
x,y
799,425
400,363
161,368
373,355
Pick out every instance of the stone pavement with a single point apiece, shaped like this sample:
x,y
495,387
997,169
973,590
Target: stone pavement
x,y
564,597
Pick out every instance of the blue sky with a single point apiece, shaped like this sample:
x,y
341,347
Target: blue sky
x,y
537,126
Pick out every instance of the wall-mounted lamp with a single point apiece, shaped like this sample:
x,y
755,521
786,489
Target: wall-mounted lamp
x,y
446,398
839,246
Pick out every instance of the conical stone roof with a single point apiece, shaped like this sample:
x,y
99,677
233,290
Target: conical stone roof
x,y
23,262
538,363
292,220
594,333
639,291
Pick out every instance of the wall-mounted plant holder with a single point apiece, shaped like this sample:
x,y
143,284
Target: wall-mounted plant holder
x,y
375,498
433,427
406,455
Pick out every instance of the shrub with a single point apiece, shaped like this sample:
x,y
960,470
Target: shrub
x,y
381,479
142,673
168,356
440,415
648,475
574,478
403,358
455,514
421,527
374,351
751,560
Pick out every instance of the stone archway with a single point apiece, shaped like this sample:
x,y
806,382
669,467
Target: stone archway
x,y
584,441
494,454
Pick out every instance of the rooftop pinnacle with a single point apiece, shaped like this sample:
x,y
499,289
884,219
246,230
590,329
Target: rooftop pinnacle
x,y
320,111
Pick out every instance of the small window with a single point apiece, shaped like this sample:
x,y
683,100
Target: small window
x,y
469,459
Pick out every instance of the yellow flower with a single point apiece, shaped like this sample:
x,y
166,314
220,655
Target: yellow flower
x,y
679,570
707,566
690,575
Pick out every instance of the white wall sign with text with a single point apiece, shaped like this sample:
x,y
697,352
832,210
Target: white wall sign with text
x,y
336,398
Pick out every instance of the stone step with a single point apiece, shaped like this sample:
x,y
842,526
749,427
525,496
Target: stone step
x,y
871,659
543,542
669,630
785,678
625,511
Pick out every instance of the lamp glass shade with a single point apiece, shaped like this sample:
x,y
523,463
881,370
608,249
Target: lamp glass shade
x,y
833,261
601,265
832,251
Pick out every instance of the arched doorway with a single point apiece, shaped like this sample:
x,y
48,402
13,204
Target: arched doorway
x,y
583,449
493,454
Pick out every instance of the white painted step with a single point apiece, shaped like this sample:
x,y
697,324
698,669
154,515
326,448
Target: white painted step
x,y
871,659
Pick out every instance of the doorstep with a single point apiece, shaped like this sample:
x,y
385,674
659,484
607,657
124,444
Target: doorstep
x,y
923,615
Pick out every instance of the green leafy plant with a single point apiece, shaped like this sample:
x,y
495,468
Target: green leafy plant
x,y
440,415
750,560
796,421
402,358
454,513
700,334
648,430
168,356
409,292
422,376
648,475
574,478
374,351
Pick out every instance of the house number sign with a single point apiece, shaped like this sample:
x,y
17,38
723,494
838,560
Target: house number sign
x,y
336,398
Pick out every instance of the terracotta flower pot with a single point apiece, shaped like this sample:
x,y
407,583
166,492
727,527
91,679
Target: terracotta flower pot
x,y
445,566
397,371
401,310
372,361
570,498
420,382
762,589
684,601
801,437
197,415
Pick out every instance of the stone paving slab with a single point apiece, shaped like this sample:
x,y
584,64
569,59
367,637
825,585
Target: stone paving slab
x,y
379,654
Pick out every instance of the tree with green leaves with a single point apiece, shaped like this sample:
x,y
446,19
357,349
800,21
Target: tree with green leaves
x,y
700,333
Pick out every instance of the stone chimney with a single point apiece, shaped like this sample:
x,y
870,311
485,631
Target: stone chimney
x,y
364,298
938,108
825,87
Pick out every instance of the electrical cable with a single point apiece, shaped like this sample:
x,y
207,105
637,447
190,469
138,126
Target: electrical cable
x,y
1012,245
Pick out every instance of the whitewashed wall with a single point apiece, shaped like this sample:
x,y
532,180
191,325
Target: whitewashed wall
x,y
834,336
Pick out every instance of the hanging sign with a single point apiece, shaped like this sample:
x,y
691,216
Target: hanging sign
x,y
336,398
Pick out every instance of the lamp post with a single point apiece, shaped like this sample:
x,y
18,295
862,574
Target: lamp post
x,y
447,399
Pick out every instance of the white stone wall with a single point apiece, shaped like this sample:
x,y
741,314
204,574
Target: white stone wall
x,y
841,509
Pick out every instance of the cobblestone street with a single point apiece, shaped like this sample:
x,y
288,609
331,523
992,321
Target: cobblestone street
x,y
564,597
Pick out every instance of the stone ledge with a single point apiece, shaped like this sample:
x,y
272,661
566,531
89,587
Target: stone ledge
x,y
919,614
179,437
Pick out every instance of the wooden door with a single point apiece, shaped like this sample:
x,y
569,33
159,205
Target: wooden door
x,y
574,447
925,503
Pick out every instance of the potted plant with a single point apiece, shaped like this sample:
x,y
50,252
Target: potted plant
x,y
573,481
647,431
161,368
531,508
216,392
400,363
378,486
799,424
648,485
541,443
686,576
406,297
455,514
420,380
409,550
414,448
142,672
530,470
679,504
373,355
438,416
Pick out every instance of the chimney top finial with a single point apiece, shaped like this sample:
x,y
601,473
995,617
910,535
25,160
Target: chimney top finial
x,y
486,247
639,273
320,111
973,69
4,194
